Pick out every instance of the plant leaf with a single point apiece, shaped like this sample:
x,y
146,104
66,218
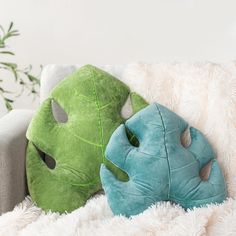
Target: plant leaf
x,y
7,52
10,26
9,100
2,29
8,104
9,64
12,67
33,78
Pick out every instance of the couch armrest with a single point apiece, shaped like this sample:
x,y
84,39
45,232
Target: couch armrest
x,y
13,142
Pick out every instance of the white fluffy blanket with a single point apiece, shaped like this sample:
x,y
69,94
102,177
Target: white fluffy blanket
x,y
96,219
205,95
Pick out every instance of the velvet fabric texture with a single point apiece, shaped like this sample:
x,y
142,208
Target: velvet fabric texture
x,y
160,168
92,100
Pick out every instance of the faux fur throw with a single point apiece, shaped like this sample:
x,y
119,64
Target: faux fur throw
x,y
204,94
96,219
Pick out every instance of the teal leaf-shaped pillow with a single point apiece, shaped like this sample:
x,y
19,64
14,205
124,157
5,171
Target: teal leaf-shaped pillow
x,y
92,100
160,168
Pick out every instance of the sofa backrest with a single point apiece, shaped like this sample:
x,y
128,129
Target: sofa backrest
x,y
53,74
204,94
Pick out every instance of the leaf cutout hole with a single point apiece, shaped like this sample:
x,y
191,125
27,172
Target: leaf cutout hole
x,y
205,171
186,141
186,138
127,110
58,112
131,137
48,160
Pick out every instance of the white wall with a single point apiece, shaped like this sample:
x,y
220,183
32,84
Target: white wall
x,y
120,31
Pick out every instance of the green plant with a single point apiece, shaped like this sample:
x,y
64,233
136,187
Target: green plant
x,y
23,77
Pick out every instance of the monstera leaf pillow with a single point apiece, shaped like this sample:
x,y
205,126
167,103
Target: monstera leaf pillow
x,y
160,168
92,100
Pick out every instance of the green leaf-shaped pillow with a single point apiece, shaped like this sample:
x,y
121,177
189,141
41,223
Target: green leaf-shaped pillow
x,y
92,100
160,168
